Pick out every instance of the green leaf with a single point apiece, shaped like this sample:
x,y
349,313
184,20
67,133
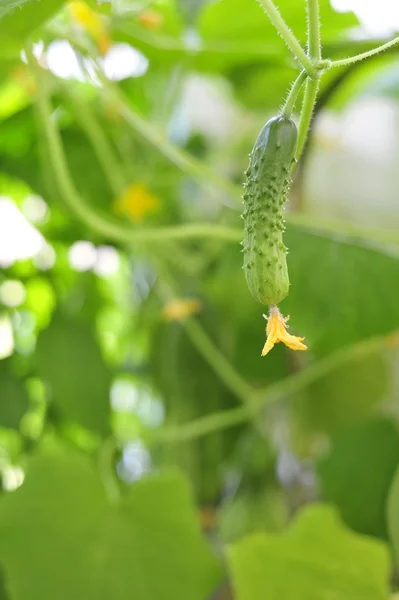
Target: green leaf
x,y
13,398
393,514
229,33
246,512
3,585
357,474
350,393
148,546
244,33
222,20
251,81
316,559
342,291
20,148
20,18
69,359
8,6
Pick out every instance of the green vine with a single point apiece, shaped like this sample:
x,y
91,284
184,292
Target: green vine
x,y
273,393
349,61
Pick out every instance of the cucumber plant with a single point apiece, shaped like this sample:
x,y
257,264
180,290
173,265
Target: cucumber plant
x,y
268,177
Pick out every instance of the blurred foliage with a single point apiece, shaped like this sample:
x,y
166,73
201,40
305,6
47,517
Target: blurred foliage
x,y
68,358
14,398
90,539
135,352
344,475
322,557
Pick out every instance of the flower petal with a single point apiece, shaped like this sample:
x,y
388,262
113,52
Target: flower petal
x,y
293,342
276,332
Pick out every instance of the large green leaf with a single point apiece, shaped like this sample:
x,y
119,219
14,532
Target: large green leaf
x,y
246,20
19,18
13,397
69,359
341,291
147,546
241,32
229,33
357,474
316,559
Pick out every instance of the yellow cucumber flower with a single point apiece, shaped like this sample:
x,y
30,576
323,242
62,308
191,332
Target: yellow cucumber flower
x,y
150,19
276,332
91,22
137,202
181,308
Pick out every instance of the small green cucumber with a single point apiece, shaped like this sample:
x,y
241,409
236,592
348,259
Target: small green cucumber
x,y
268,179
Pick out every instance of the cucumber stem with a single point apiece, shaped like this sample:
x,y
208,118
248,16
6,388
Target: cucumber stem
x,y
293,94
309,100
314,45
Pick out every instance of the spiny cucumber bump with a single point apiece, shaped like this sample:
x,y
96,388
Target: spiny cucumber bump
x,y
266,188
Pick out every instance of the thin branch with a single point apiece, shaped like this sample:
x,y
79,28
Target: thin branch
x,y
216,421
288,36
353,59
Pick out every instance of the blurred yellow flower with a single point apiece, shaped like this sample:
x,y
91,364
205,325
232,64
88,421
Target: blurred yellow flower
x,y
181,308
91,22
276,332
137,202
150,19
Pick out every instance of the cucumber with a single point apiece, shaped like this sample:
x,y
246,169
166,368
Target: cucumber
x,y
268,179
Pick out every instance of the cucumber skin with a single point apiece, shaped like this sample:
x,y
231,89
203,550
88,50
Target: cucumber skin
x,y
268,179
